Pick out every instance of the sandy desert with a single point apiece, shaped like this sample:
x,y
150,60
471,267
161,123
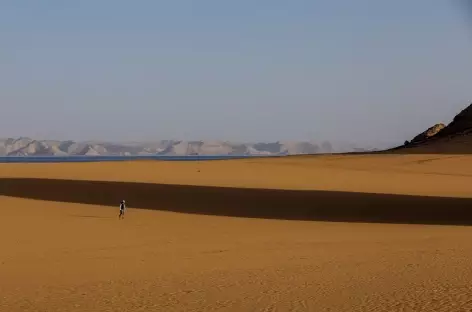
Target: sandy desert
x,y
385,232
274,156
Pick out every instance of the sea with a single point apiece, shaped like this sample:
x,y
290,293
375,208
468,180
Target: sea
x,y
62,159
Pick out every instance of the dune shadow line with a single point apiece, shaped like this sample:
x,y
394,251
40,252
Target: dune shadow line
x,y
249,203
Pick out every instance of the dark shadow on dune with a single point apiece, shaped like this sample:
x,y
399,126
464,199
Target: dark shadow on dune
x,y
250,203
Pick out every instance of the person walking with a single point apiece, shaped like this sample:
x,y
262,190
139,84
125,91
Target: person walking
x,y
122,209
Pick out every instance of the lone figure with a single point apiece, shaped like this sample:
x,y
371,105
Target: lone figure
x,y
122,209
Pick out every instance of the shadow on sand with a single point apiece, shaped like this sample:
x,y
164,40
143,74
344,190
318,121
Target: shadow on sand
x,y
249,203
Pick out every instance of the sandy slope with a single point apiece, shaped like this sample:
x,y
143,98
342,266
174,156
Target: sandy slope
x,y
363,173
69,256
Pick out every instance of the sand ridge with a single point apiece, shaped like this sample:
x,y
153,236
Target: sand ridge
x,y
384,174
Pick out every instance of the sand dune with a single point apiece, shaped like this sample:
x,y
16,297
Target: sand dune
x,y
248,235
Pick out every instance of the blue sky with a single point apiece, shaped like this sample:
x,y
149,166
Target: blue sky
x,y
363,71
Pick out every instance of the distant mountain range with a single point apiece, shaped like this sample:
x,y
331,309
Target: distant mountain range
x,y
456,137
30,147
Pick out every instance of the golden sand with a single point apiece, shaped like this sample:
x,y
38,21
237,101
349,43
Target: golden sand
x,y
326,233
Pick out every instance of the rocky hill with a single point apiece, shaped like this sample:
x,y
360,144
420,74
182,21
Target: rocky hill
x,y
456,137
30,147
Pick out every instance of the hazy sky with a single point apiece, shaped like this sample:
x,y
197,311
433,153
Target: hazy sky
x,y
362,71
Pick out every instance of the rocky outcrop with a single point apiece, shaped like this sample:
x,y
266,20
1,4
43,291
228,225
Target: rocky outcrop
x,y
429,133
460,125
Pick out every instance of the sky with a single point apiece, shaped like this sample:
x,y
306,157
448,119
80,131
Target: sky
x,y
364,71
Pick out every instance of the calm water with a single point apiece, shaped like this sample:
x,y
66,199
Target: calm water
x,y
52,159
